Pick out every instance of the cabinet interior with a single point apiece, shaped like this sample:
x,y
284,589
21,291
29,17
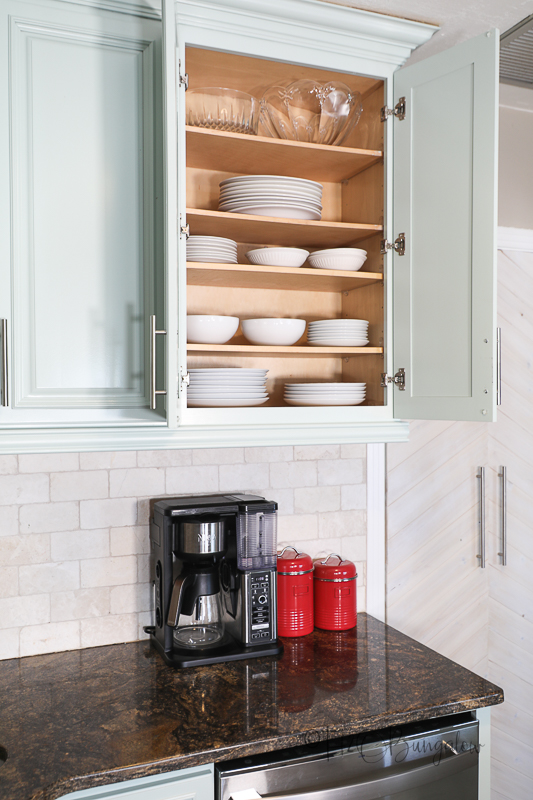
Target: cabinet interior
x,y
353,199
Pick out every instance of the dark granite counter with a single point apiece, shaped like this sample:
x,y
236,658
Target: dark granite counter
x,y
73,720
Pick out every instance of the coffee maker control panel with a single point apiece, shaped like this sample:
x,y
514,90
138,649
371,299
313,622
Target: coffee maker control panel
x,y
260,619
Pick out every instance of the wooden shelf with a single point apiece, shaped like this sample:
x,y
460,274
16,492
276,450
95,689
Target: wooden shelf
x,y
275,230
302,279
280,350
246,154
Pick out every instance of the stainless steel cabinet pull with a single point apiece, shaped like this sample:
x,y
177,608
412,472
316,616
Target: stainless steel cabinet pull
x,y
503,475
498,366
481,556
153,336
5,391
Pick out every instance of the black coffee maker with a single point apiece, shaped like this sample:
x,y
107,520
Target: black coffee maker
x,y
213,567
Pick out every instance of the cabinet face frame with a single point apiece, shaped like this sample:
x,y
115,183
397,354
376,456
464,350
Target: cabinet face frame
x,y
207,36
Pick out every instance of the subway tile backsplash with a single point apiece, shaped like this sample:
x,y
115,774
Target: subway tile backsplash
x,y
74,535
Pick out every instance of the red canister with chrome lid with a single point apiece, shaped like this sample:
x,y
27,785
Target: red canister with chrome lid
x,y
295,593
335,587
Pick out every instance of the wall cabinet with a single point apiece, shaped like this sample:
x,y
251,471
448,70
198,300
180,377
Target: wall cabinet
x,y
431,310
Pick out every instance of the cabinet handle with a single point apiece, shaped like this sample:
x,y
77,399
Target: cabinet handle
x,y
481,556
498,366
153,334
3,323
503,555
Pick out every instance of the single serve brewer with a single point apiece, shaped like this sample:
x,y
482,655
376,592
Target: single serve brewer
x,y
213,569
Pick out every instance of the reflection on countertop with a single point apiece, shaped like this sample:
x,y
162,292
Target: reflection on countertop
x,y
85,718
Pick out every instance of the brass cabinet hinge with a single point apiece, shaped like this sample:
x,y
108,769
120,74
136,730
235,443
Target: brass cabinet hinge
x,y
398,110
398,246
398,380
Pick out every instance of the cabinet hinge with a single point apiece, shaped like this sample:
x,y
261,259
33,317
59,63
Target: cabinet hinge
x,y
398,380
398,246
397,111
185,378
184,230
184,80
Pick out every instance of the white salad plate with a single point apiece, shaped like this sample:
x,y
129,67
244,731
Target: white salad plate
x,y
324,400
339,342
325,387
320,322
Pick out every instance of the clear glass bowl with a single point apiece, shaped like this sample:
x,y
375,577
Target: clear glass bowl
x,y
309,111
222,110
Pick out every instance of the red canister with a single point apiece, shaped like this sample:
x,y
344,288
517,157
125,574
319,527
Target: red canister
x,y
335,593
295,593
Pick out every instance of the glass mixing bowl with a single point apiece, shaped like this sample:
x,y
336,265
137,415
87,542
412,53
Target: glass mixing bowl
x,y
309,111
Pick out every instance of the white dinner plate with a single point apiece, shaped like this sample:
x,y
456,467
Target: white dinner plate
x,y
321,322
279,212
224,403
269,179
244,371
227,396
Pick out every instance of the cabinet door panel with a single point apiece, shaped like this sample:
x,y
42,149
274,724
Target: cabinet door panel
x,y
445,202
82,140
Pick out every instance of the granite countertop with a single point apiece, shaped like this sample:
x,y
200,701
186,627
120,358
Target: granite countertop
x,y
85,718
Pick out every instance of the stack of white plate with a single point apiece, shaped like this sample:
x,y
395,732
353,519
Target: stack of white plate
x,y
232,386
338,333
324,394
214,249
272,196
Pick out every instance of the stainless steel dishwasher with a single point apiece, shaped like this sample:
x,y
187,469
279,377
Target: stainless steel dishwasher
x,y
433,760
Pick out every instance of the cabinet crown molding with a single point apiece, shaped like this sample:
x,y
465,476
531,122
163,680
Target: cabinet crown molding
x,y
390,39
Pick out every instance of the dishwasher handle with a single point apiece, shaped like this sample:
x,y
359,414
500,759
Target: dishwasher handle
x,y
401,781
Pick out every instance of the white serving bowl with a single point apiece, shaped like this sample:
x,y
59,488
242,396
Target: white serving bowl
x,y
210,329
340,258
273,331
277,256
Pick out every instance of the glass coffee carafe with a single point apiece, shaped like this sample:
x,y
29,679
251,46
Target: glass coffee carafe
x,y
195,610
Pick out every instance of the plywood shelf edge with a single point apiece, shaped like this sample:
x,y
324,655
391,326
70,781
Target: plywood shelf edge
x,y
280,350
263,277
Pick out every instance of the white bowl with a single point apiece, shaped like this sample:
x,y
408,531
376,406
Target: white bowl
x,y
273,331
278,256
338,260
210,329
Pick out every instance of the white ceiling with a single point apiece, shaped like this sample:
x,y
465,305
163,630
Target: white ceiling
x,y
458,19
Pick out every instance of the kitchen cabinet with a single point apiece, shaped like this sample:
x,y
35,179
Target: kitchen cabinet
x,y
447,358
195,783
80,149
412,175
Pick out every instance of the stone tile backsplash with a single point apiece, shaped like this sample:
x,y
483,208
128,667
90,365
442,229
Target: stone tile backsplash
x,y
74,534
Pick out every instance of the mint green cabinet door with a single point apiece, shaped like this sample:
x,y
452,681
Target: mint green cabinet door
x,y
445,203
80,102
195,783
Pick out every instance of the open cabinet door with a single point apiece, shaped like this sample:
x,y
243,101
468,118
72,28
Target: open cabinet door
x,y
445,203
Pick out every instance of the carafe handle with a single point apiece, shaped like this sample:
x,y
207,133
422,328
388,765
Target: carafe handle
x,y
176,598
